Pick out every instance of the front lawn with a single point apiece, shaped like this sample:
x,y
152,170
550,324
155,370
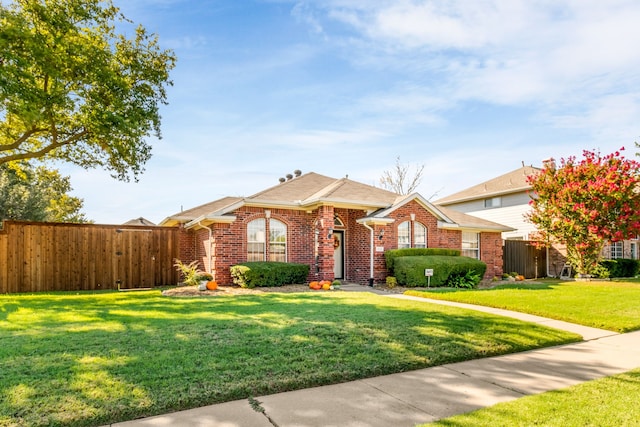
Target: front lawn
x,y
614,305
607,402
79,359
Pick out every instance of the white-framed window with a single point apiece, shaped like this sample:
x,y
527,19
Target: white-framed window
x,y
419,235
257,244
407,239
633,248
256,240
616,250
494,202
277,241
471,244
404,235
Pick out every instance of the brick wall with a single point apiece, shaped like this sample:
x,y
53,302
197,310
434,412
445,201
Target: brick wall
x,y
228,247
491,253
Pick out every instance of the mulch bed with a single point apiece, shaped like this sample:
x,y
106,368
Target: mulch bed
x,y
192,291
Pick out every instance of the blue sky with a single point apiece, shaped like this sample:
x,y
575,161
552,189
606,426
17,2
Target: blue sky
x,y
470,89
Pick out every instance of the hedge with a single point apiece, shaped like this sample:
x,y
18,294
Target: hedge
x,y
409,270
268,274
621,267
392,254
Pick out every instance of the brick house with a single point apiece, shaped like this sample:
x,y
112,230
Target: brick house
x,y
339,227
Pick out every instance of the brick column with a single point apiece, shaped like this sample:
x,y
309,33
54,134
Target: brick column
x,y
325,243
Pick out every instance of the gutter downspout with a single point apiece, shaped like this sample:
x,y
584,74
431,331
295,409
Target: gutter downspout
x,y
210,238
371,254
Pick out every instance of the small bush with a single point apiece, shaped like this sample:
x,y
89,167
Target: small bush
x,y
391,255
268,274
468,280
410,270
621,267
391,282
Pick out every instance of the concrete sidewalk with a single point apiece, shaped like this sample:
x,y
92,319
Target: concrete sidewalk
x,y
428,394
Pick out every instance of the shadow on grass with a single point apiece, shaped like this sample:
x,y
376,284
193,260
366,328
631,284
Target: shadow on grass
x,y
91,359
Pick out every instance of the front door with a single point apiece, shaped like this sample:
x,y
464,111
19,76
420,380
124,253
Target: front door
x,y
338,254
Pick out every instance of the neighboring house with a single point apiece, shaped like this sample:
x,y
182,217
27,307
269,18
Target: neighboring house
x,y
339,227
505,200
139,221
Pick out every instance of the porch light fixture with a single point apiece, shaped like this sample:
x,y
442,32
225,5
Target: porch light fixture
x,y
330,233
381,235
267,213
413,217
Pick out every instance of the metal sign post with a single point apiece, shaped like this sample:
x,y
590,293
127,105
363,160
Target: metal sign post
x,y
428,272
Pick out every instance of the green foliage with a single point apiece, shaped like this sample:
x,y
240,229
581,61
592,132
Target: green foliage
x,y
189,272
409,271
583,204
37,194
268,274
467,280
75,89
391,282
621,267
392,254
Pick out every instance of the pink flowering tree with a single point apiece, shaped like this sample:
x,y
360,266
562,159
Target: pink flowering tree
x,y
586,203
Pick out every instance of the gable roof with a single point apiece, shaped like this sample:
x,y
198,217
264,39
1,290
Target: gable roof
x,y
511,182
311,190
139,221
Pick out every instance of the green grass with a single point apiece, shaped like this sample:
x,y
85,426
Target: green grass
x,y
614,305
98,358
607,402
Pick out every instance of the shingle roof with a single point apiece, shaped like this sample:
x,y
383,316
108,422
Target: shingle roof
x,y
198,211
139,221
472,222
312,189
512,182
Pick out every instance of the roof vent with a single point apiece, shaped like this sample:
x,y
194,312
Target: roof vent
x,y
297,172
289,177
281,180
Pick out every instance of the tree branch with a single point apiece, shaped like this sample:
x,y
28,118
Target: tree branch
x,y
18,142
43,151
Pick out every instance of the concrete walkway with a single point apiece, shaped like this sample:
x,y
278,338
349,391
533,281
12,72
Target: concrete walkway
x,y
428,394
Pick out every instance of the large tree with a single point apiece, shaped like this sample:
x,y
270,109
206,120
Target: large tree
x,y
73,88
586,203
37,194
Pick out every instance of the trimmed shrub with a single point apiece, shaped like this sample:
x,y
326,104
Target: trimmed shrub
x,y
268,274
392,254
621,267
409,271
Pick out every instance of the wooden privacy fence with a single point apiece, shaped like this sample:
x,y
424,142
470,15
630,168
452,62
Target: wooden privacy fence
x,y
36,257
522,257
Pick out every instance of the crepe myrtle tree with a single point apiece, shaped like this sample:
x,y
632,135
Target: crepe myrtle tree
x,y
586,203
73,88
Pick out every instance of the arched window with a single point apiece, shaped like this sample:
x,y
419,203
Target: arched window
x,y
419,235
404,235
257,249
408,238
256,240
277,241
